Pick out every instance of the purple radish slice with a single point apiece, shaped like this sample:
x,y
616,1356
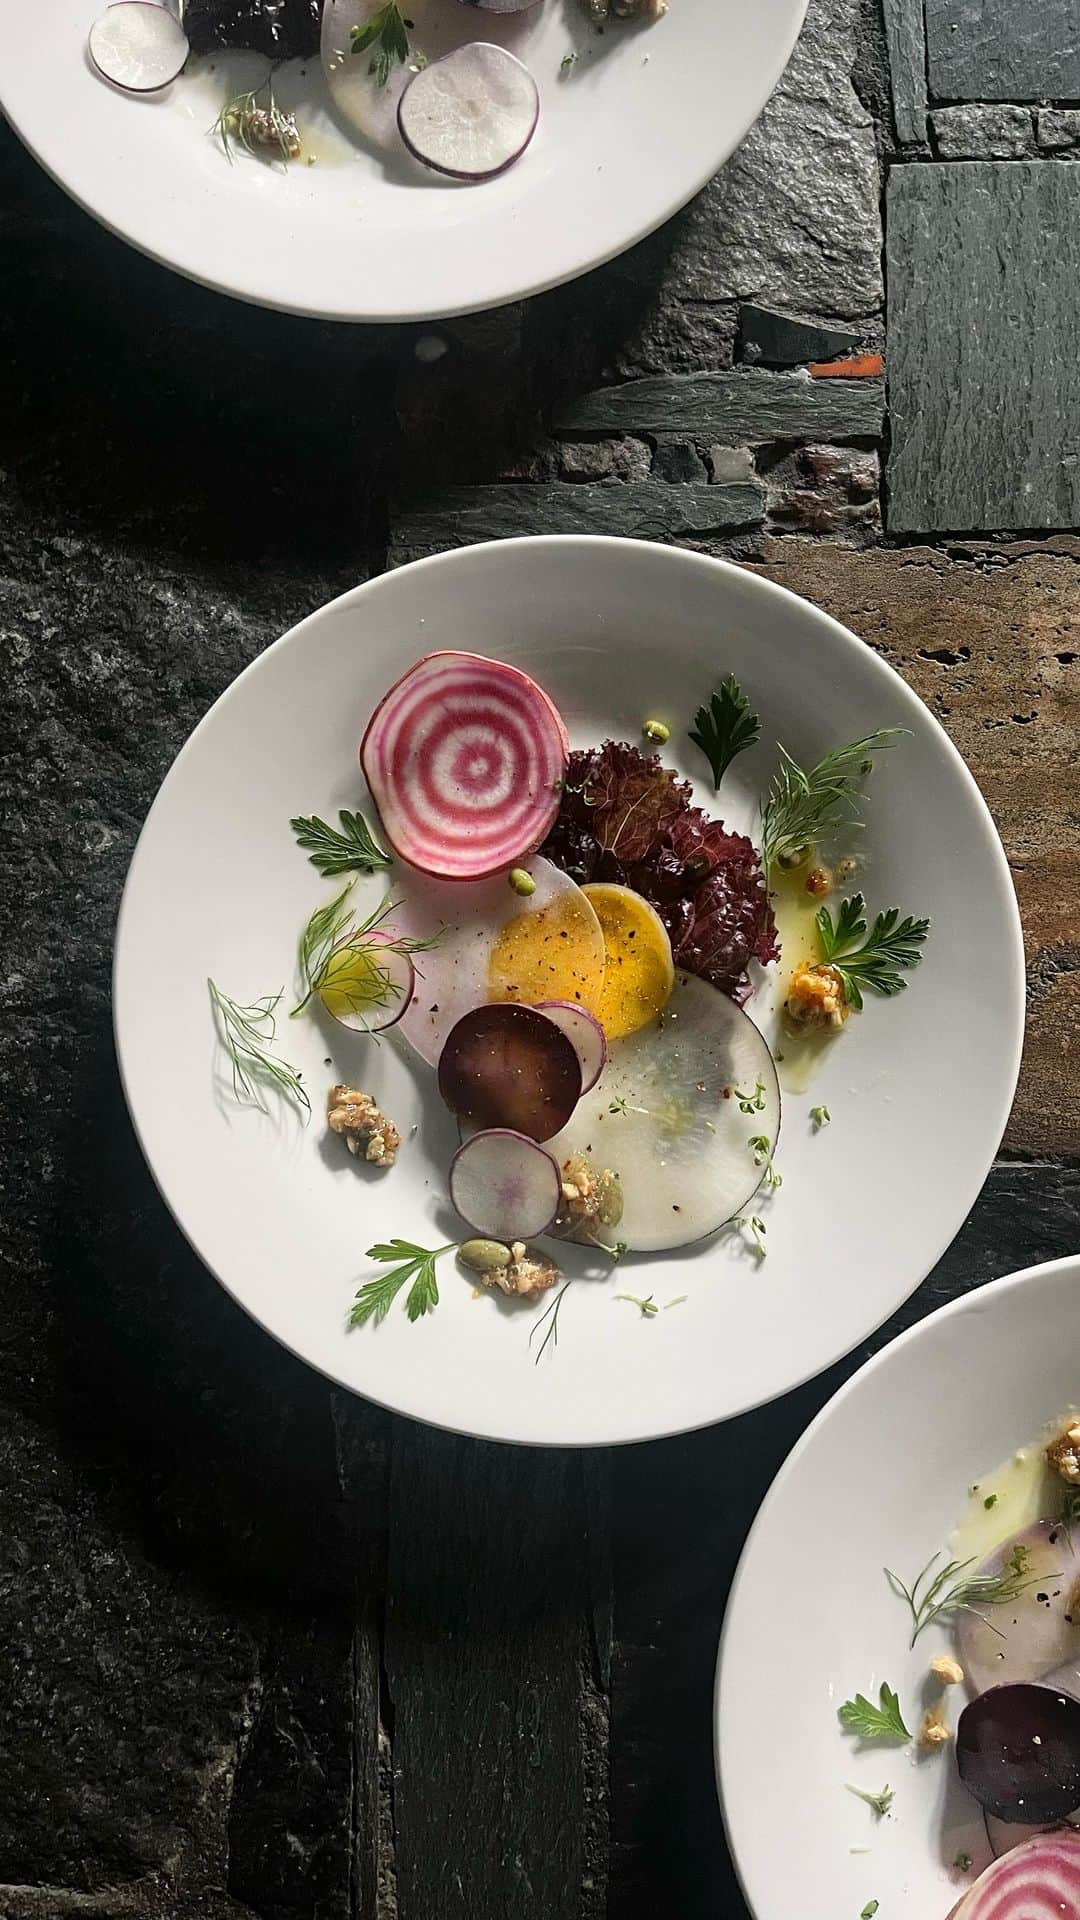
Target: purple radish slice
x,y
365,989
138,46
585,1035
505,1065
504,1186
1037,1635
465,759
1038,1881
1018,1753
471,114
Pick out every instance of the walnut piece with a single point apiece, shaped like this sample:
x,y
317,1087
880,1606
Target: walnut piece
x,y
526,1275
815,999
590,1199
1063,1454
934,1731
364,1129
947,1670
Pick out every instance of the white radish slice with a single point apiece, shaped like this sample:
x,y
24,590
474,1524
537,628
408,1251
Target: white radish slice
x,y
504,1185
585,1034
1039,1881
138,45
465,758
370,110
501,6
367,990
471,114
666,1117
1037,1636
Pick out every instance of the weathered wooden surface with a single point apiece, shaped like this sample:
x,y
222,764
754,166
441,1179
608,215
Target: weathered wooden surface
x,y
996,50
984,378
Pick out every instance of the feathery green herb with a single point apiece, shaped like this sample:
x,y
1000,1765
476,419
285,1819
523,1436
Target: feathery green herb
x,y
354,849
952,1589
803,805
332,936
415,1264
261,129
386,32
880,1802
883,1722
247,1035
875,959
725,728
551,1314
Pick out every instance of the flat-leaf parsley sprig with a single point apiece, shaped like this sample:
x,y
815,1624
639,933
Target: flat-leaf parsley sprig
x,y
416,1264
725,728
247,1034
874,960
386,32
883,1722
353,849
952,1589
804,804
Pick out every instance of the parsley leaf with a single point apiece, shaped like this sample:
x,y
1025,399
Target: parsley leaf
x,y
385,32
374,1300
884,1722
353,849
873,959
880,1802
725,727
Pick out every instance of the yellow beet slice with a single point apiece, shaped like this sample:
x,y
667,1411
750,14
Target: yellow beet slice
x,y
554,954
638,970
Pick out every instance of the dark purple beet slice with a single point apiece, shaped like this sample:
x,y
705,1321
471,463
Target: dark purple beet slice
x,y
506,1065
1018,1752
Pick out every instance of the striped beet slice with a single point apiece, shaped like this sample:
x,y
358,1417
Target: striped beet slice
x,y
465,758
1038,1881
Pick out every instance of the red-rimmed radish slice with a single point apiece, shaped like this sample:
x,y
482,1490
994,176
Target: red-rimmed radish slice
x,y
368,987
665,1115
138,45
465,758
585,1035
471,114
505,1186
1038,1881
506,1065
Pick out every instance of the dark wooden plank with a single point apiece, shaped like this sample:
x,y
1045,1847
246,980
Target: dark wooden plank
x,y
746,408
682,1509
995,50
646,510
984,378
495,1651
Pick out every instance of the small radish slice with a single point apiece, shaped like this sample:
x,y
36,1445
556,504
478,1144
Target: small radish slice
x,y
509,1066
1018,1753
585,1035
471,114
368,990
465,758
138,45
665,1115
505,1186
1038,1881
1037,1636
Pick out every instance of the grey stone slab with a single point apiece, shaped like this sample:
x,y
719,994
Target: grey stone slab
x,y
747,408
999,50
984,262
645,510
781,340
1057,128
905,35
984,133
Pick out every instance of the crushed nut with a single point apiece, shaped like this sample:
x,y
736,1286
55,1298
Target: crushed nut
x,y
934,1731
589,1198
815,999
525,1274
947,1670
1063,1454
365,1130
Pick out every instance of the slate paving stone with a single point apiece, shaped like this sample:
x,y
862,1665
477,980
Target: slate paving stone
x,y
996,50
984,378
905,36
649,510
984,133
780,340
745,408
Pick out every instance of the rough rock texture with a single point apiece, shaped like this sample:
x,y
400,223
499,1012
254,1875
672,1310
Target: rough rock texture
x,y
745,408
1057,128
990,638
982,413
994,50
647,511
983,133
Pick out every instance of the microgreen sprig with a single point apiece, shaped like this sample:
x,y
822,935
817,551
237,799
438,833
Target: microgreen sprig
x,y
874,960
952,1589
415,1264
247,1035
725,728
759,1146
803,804
751,1102
354,848
879,1802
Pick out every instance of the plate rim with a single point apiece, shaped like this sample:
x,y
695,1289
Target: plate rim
x,y
347,314
678,558
966,1303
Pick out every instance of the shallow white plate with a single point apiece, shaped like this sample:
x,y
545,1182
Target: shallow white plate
x,y
919,1087
626,137
880,1479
